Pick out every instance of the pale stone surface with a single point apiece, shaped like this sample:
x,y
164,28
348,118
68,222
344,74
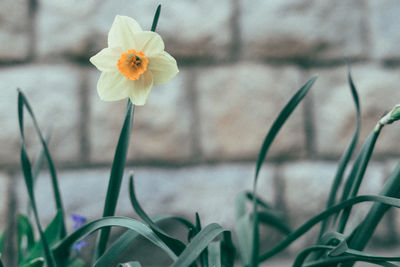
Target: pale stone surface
x,y
203,26
14,30
4,200
335,112
52,91
384,27
161,128
209,190
306,28
307,187
237,105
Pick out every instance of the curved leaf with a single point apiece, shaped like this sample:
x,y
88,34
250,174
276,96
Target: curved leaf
x,y
65,245
174,244
198,244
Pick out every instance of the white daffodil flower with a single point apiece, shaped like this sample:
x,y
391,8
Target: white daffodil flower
x,y
132,63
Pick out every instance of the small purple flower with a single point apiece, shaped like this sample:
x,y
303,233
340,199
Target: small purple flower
x,y
79,221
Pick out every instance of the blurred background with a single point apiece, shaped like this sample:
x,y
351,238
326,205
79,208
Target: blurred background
x,y
194,144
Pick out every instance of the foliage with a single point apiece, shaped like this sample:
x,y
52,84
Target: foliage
x,y
212,245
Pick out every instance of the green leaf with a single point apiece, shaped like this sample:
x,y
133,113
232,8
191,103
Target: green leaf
x,y
27,172
349,256
321,216
76,262
52,234
155,19
25,231
204,253
2,237
244,234
198,244
174,244
37,262
118,246
62,247
363,233
214,254
117,171
271,219
270,137
356,175
344,160
228,250
130,264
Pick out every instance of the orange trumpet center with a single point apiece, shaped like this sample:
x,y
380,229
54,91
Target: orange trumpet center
x,y
132,64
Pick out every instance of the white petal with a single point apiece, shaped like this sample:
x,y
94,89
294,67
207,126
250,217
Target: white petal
x,y
163,67
141,89
113,86
106,59
148,42
121,32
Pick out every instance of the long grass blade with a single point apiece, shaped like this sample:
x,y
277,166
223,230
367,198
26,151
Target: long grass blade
x,y
270,137
117,171
26,238
174,244
323,215
65,245
122,243
354,182
344,160
23,102
228,250
348,256
27,172
214,254
367,227
198,244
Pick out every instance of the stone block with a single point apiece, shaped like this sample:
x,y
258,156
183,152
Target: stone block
x,y
384,25
208,190
161,128
335,112
302,29
237,105
189,28
52,91
14,30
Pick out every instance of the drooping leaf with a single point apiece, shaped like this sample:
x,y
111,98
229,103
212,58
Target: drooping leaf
x,y
66,244
130,264
214,254
198,244
174,244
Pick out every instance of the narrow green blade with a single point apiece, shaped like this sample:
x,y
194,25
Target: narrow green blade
x,y
27,172
228,250
65,245
198,244
117,171
23,102
214,254
118,246
344,160
270,137
25,233
174,244
52,234
323,215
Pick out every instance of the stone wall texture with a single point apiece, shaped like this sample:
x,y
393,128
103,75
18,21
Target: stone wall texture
x,y
195,143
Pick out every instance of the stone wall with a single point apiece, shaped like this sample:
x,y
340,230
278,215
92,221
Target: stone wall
x,y
240,61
